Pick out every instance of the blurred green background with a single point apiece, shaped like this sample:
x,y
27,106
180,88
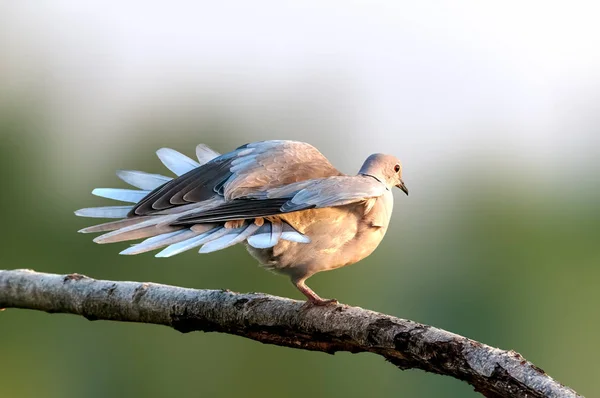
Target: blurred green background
x,y
498,130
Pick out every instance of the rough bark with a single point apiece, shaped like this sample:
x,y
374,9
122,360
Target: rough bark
x,y
285,322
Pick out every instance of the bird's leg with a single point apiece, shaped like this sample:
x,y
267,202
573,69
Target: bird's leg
x,y
313,297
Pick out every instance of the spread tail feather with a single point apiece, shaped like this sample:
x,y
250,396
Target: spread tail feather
x,y
205,154
113,225
158,241
238,235
142,180
177,162
158,229
267,236
138,233
123,195
104,212
192,242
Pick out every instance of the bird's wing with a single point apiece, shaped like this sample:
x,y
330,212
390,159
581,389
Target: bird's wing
x,y
254,181
316,193
331,192
243,173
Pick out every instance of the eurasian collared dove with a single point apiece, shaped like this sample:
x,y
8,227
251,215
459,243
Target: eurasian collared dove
x,y
293,210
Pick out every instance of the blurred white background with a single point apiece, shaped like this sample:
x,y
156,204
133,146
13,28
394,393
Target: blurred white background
x,y
493,107
426,80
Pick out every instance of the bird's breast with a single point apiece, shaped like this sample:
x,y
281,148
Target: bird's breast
x,y
340,236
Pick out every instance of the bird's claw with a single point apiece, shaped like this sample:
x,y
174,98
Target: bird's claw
x,y
326,302
319,303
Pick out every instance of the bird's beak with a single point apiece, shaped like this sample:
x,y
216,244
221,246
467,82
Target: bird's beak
x,y
403,187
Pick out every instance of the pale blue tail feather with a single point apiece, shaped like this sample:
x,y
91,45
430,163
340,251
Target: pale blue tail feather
x,y
104,212
267,236
236,236
177,162
111,236
263,238
270,233
138,233
142,180
205,154
156,242
113,225
123,195
191,243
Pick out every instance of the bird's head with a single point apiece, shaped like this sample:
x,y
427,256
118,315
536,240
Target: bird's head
x,y
385,168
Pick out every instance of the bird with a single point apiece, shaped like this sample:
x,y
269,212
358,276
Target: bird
x,y
292,209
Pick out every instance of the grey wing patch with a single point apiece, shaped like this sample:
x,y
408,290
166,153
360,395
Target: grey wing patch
x,y
327,192
334,191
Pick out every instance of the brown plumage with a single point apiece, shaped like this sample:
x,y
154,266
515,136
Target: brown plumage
x,y
294,211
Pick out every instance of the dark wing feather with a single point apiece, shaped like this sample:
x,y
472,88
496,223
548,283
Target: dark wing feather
x,y
171,194
238,209
243,173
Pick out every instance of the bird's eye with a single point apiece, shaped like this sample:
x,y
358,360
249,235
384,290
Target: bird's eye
x,y
397,168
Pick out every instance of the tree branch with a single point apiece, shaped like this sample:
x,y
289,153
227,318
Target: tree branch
x,y
285,322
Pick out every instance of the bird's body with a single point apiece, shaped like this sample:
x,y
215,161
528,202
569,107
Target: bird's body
x,y
339,236
295,212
